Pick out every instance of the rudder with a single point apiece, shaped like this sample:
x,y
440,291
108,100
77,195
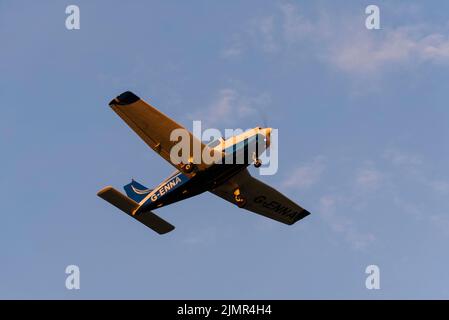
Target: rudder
x,y
136,191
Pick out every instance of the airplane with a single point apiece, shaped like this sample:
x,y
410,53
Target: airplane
x,y
232,182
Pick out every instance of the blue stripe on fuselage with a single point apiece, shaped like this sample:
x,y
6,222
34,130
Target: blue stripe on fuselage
x,y
164,194
164,189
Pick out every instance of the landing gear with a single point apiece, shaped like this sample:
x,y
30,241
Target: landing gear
x,y
239,199
257,161
188,168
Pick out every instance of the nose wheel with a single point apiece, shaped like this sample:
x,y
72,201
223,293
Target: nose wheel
x,y
239,199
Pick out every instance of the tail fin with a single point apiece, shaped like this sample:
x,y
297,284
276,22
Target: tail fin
x,y
136,191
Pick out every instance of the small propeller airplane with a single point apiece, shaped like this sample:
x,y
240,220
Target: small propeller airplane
x,y
232,182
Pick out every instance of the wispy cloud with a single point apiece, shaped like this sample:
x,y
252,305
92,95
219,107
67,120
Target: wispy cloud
x,y
401,158
295,27
413,166
263,30
368,178
336,208
330,210
409,208
230,105
372,51
306,175
203,236
439,186
393,177
232,51
344,42
441,222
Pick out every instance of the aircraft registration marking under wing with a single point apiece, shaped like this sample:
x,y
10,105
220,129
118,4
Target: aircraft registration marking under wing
x,y
261,198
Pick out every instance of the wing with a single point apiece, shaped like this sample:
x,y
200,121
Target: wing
x,y
261,198
151,125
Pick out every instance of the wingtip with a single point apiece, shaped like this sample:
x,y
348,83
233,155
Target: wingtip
x,y
300,216
124,99
104,190
166,230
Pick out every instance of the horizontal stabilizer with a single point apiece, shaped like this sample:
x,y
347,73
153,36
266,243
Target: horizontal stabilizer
x,y
128,206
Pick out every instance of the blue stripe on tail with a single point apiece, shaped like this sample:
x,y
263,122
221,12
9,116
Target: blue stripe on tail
x,y
136,191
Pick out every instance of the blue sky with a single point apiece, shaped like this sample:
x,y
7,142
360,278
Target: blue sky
x,y
362,118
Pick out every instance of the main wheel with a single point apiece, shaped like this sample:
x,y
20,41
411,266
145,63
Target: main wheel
x,y
257,163
188,168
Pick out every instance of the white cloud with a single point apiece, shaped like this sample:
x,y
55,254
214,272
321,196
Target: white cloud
x,y
234,50
389,182
395,176
401,158
439,186
413,166
434,47
230,106
263,32
331,211
306,175
334,207
372,51
369,178
343,42
205,235
409,208
364,51
441,221
294,26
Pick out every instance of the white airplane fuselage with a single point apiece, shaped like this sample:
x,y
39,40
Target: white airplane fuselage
x,y
238,152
